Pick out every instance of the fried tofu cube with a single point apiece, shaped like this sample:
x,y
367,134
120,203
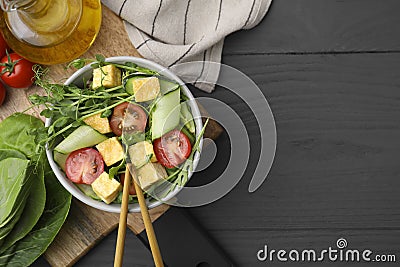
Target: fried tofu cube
x,y
102,125
105,188
111,150
108,76
140,152
150,174
146,89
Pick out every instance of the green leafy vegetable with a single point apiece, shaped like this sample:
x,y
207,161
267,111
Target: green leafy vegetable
x,y
15,134
33,210
15,181
118,199
35,227
114,170
28,249
12,179
9,153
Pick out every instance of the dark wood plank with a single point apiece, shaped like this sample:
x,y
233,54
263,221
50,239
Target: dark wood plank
x,y
136,254
338,142
102,254
315,26
244,245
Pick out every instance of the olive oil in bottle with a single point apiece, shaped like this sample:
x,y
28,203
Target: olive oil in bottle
x,y
50,31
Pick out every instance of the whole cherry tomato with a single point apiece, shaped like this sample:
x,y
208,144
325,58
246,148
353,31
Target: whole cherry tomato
x,y
16,71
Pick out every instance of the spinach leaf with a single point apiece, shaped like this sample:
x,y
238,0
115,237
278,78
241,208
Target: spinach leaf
x,y
9,153
28,249
14,141
12,179
33,210
7,228
14,133
16,181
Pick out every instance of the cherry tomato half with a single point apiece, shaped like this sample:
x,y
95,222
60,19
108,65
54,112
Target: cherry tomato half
x,y
130,117
172,149
132,190
84,165
3,46
17,70
2,93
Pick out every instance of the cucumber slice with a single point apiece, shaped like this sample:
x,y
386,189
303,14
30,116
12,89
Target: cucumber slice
x,y
60,159
187,118
84,136
167,86
166,114
88,190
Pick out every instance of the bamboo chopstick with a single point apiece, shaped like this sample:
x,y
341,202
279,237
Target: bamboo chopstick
x,y
119,251
155,250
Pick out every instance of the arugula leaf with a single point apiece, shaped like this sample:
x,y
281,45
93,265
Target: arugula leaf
x,y
118,199
114,170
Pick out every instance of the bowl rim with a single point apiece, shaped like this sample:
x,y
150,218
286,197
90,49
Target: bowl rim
x,y
133,207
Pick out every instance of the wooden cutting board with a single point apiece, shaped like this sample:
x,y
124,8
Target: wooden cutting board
x,y
85,226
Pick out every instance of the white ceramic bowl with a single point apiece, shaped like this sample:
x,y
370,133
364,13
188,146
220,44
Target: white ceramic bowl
x,y
86,72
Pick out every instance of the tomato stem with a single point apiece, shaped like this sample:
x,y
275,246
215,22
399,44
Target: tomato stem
x,y
9,65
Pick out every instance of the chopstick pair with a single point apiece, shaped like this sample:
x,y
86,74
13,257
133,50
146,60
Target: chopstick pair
x,y
119,252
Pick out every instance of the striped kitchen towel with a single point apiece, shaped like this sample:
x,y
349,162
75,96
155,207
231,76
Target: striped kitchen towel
x,y
171,32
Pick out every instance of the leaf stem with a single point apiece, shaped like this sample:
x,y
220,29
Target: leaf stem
x,y
107,108
59,132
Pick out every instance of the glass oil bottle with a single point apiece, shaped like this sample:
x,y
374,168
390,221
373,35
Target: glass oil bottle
x,y
50,31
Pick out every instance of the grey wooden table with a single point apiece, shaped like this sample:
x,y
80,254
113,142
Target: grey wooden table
x,y
331,73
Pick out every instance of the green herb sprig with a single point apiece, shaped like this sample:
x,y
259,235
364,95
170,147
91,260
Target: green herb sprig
x,y
100,61
68,105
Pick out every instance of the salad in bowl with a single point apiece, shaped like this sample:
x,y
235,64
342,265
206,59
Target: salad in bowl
x,y
118,112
